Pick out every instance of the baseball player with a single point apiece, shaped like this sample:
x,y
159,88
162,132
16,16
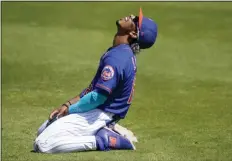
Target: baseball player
x,y
83,122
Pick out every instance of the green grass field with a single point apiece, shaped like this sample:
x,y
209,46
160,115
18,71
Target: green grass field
x,y
182,109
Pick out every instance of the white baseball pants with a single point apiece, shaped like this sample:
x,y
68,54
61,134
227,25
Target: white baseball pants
x,y
74,132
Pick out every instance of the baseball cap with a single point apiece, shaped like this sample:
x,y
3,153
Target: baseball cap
x,y
147,31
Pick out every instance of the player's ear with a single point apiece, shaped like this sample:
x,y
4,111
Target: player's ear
x,y
133,35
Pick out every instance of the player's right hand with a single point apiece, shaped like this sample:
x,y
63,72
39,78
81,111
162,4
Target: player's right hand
x,y
60,112
53,113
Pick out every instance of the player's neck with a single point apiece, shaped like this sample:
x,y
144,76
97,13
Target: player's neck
x,y
120,39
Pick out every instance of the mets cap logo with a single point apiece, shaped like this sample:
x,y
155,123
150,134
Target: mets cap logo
x,y
107,73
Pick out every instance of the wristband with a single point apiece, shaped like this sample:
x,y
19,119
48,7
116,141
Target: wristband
x,y
65,105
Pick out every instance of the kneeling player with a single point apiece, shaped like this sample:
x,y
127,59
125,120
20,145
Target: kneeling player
x,y
82,121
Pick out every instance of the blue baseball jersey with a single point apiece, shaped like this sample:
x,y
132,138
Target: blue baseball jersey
x,y
115,76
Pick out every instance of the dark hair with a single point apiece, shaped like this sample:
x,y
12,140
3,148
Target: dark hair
x,y
135,46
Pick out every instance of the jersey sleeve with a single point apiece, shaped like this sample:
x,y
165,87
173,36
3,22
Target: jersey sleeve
x,y
109,77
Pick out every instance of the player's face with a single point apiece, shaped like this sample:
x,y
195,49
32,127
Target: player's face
x,y
127,24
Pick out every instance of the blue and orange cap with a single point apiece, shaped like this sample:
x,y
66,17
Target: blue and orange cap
x,y
147,31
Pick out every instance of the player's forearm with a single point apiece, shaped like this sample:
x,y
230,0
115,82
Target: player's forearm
x,y
72,100
75,99
88,102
